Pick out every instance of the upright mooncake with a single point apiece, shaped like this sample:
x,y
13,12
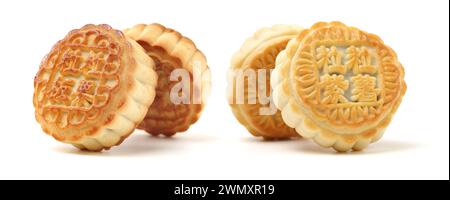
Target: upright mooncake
x,y
93,88
171,51
338,85
259,53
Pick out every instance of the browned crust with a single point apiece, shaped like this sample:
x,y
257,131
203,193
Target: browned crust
x,y
297,111
321,28
183,51
117,98
262,45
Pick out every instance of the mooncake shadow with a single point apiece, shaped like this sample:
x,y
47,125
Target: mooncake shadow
x,y
300,145
279,144
140,143
380,147
270,141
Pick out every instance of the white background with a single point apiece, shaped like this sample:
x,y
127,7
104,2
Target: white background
x,y
415,146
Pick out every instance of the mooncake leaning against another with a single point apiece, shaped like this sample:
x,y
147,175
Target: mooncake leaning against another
x,y
172,51
338,85
93,88
260,117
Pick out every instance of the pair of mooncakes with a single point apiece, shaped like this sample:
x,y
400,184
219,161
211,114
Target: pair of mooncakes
x,y
98,84
334,84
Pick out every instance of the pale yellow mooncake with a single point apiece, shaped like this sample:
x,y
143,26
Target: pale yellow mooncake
x,y
93,88
259,53
338,85
171,51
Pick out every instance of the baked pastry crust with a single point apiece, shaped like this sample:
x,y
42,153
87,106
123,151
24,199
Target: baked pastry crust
x,y
93,88
338,85
259,52
170,50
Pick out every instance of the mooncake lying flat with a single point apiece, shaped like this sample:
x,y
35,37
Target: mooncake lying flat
x,y
93,88
338,85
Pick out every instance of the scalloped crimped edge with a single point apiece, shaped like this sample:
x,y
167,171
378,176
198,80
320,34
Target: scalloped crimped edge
x,y
141,85
181,47
251,45
293,114
140,97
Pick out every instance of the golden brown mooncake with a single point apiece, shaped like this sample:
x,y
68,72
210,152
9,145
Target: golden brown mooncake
x,y
93,88
259,52
170,50
338,85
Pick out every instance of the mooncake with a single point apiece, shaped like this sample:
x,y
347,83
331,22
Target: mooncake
x,y
338,85
172,51
259,53
93,88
